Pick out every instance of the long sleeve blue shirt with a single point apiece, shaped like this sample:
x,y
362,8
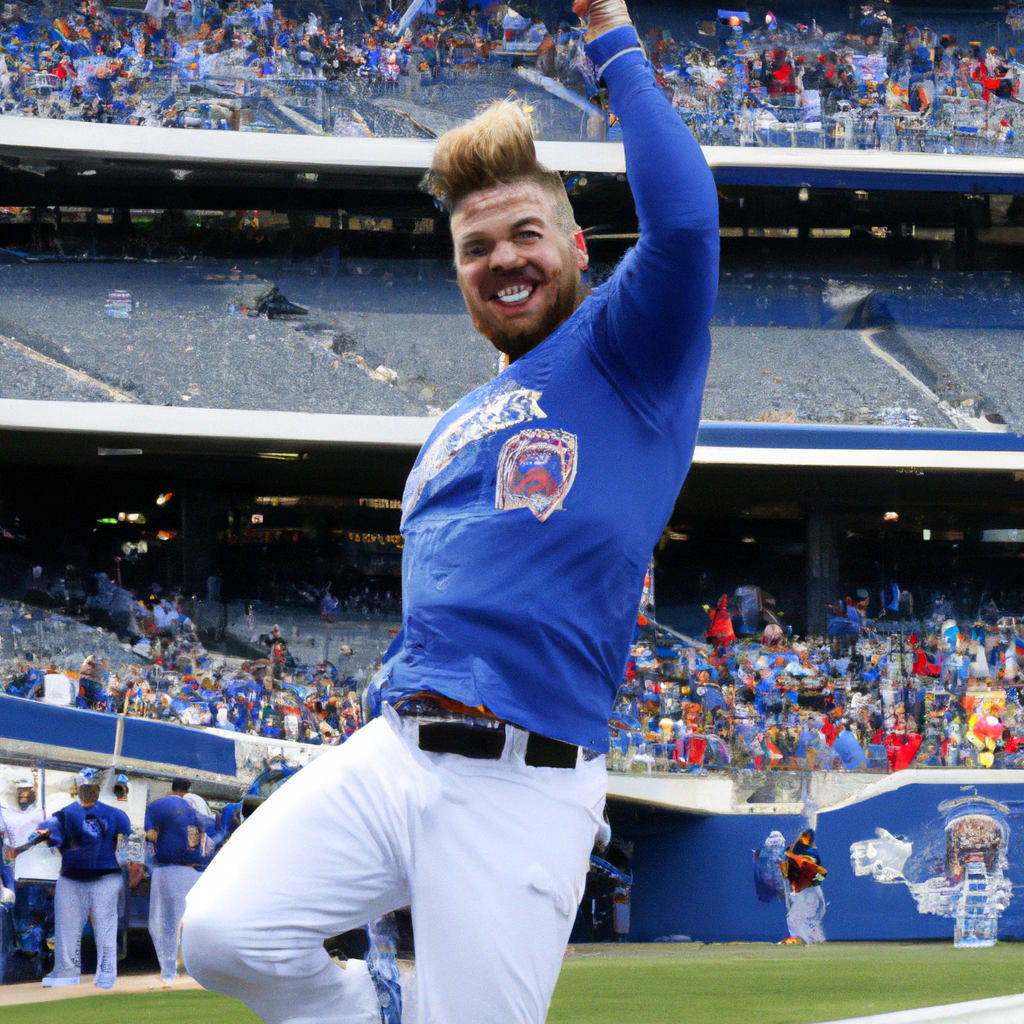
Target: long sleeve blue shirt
x,y
532,510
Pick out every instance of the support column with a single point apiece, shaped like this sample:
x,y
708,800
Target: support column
x,y
201,514
822,569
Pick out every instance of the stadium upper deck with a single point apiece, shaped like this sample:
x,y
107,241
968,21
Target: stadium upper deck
x,y
887,77
377,337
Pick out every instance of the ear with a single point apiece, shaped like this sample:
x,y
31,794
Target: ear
x,y
582,257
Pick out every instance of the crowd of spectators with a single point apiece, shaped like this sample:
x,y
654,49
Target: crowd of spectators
x,y
875,85
735,79
169,676
195,64
877,694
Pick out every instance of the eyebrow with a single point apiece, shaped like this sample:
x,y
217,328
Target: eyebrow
x,y
521,223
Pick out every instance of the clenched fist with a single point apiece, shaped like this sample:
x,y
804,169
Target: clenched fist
x,y
604,15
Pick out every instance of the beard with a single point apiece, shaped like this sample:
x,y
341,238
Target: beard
x,y
516,340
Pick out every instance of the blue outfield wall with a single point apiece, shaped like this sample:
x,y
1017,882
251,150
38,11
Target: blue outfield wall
x,y
33,722
695,875
175,745
76,729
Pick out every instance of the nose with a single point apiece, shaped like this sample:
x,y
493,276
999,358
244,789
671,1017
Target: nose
x,y
504,257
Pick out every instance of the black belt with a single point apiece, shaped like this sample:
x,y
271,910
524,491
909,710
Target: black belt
x,y
485,741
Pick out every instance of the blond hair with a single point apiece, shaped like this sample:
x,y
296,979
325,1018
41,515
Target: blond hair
x,y
495,148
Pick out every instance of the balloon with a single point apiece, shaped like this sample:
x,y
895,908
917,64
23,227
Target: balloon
x,y
988,727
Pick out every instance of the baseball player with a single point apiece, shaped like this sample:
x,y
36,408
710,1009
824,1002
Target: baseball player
x,y
21,819
175,830
805,902
88,835
477,795
8,894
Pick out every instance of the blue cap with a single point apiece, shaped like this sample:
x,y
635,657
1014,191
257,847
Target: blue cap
x,y
87,777
121,780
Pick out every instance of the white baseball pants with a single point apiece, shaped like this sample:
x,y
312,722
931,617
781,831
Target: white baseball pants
x,y
804,913
73,902
169,885
492,856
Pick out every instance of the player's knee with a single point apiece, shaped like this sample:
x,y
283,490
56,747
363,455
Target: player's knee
x,y
230,953
210,952
197,942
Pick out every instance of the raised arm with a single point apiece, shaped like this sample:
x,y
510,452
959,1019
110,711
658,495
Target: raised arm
x,y
662,295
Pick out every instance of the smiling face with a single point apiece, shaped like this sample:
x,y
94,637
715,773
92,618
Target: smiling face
x,y
518,267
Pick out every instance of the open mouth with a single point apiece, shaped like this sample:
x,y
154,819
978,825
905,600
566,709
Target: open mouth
x,y
515,294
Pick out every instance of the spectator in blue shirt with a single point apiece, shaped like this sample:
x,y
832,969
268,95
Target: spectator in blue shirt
x,y
847,747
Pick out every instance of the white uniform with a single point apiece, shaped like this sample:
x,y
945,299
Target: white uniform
x,y
170,885
492,856
41,862
804,913
74,904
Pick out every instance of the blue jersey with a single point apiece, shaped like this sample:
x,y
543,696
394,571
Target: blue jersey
x,y
87,839
172,816
532,511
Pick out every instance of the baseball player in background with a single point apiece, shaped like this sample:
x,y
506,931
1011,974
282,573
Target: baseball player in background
x,y
21,817
176,831
477,795
89,835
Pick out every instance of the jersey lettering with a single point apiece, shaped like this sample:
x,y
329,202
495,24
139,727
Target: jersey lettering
x,y
511,406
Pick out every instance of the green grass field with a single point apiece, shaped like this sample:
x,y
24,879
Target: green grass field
x,y
727,984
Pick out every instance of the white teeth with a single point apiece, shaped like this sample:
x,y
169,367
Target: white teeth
x,y
517,293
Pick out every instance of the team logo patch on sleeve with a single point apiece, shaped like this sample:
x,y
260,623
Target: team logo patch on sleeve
x,y
536,469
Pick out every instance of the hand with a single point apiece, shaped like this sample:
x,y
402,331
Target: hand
x,y
136,872
603,16
44,833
